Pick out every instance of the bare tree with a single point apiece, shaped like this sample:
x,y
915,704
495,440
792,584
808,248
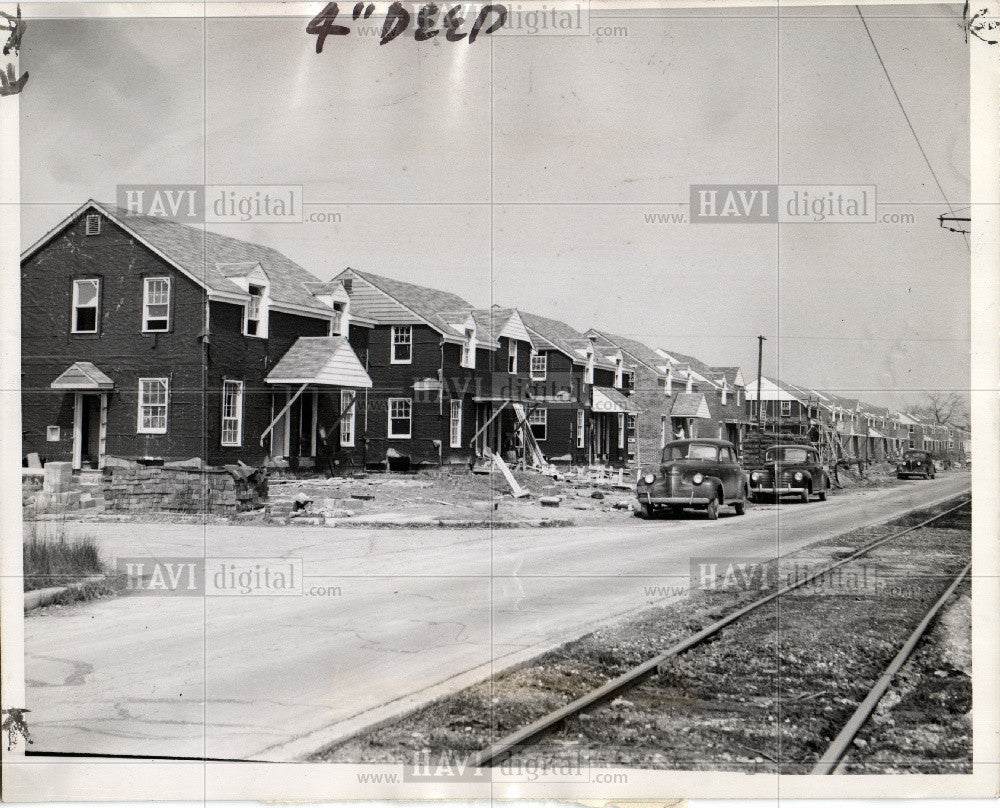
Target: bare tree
x,y
950,409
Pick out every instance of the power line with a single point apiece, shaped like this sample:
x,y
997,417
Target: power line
x,y
909,123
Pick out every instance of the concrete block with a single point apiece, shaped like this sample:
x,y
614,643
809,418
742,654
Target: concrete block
x,y
58,476
550,502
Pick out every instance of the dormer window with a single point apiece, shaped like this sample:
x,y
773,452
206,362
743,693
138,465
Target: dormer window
x,y
618,372
93,224
337,324
725,392
512,356
669,384
689,388
469,349
256,312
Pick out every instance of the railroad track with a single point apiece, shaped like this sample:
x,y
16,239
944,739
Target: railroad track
x,y
829,761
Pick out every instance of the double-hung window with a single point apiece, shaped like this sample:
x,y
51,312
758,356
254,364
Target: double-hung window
x,y
786,408
86,305
512,356
255,309
402,344
400,417
581,418
152,415
156,304
539,366
538,420
347,417
232,413
456,424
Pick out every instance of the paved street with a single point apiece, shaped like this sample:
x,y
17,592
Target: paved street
x,y
264,677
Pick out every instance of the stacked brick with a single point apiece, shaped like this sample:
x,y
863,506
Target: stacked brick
x,y
755,443
217,491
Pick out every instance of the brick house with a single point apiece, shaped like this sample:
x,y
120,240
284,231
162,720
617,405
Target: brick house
x,y
143,338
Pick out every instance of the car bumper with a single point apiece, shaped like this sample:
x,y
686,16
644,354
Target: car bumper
x,y
780,490
690,501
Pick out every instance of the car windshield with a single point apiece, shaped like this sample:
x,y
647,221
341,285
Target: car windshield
x,y
790,455
691,451
914,455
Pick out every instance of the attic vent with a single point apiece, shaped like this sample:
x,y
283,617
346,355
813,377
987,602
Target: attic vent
x,y
93,224
348,284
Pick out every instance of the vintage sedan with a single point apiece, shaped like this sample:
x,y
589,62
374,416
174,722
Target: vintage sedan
x,y
915,463
794,470
696,473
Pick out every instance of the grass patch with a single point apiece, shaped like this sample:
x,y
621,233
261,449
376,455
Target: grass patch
x,y
54,561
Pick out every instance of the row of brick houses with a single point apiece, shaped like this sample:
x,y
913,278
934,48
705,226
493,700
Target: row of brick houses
x,y
147,339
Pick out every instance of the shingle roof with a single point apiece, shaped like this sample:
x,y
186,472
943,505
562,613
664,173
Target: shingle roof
x,y
320,360
690,405
82,376
212,258
562,337
635,350
427,303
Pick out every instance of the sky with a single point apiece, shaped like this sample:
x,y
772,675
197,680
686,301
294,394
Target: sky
x,y
522,170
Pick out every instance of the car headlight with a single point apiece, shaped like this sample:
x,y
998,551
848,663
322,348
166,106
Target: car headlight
x,y
698,478
754,477
798,476
648,479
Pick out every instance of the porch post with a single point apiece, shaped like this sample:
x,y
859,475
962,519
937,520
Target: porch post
x,y
77,430
103,433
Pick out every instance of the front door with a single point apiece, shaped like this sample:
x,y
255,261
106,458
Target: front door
x,y
89,414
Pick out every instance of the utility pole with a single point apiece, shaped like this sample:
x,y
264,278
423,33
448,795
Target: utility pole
x,y
760,366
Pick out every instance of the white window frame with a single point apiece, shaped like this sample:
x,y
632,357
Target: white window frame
x,y
619,373
468,358
725,392
581,428
621,430
786,408
543,358
689,387
74,329
348,418
146,284
92,224
142,404
409,418
512,356
237,417
588,373
400,330
455,424
540,417
668,384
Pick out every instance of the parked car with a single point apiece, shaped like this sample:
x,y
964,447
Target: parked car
x,y
695,473
915,463
790,470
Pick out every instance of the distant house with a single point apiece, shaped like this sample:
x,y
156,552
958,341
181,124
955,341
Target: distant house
x,y
707,401
147,339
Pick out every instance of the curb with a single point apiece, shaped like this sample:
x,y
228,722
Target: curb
x,y
43,597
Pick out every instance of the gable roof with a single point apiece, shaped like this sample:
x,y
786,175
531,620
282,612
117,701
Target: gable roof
x,y
563,338
634,349
209,259
320,360
387,301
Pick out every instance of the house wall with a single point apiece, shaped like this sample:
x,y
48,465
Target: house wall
x,y
119,349
649,396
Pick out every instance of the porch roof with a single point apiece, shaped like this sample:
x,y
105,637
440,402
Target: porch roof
x,y
690,405
82,376
607,399
320,360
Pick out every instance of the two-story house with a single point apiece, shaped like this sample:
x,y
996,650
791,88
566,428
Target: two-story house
x,y
143,338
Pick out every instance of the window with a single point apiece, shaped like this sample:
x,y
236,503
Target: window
x,y
588,374
93,226
469,349
725,392
621,430
400,417
456,424
86,296
669,383
347,416
254,327
619,378
232,413
539,366
786,408
337,323
689,387
538,420
402,345
156,304
152,406
512,356
580,425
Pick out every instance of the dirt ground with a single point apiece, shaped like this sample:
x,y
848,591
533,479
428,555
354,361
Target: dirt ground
x,y
766,695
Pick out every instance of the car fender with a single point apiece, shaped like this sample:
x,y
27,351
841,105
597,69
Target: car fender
x,y
716,482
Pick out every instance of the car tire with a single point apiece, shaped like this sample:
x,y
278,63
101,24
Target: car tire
x,y
805,495
740,506
822,495
712,509
644,511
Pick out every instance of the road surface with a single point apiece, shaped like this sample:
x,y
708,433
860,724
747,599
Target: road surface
x,y
408,615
